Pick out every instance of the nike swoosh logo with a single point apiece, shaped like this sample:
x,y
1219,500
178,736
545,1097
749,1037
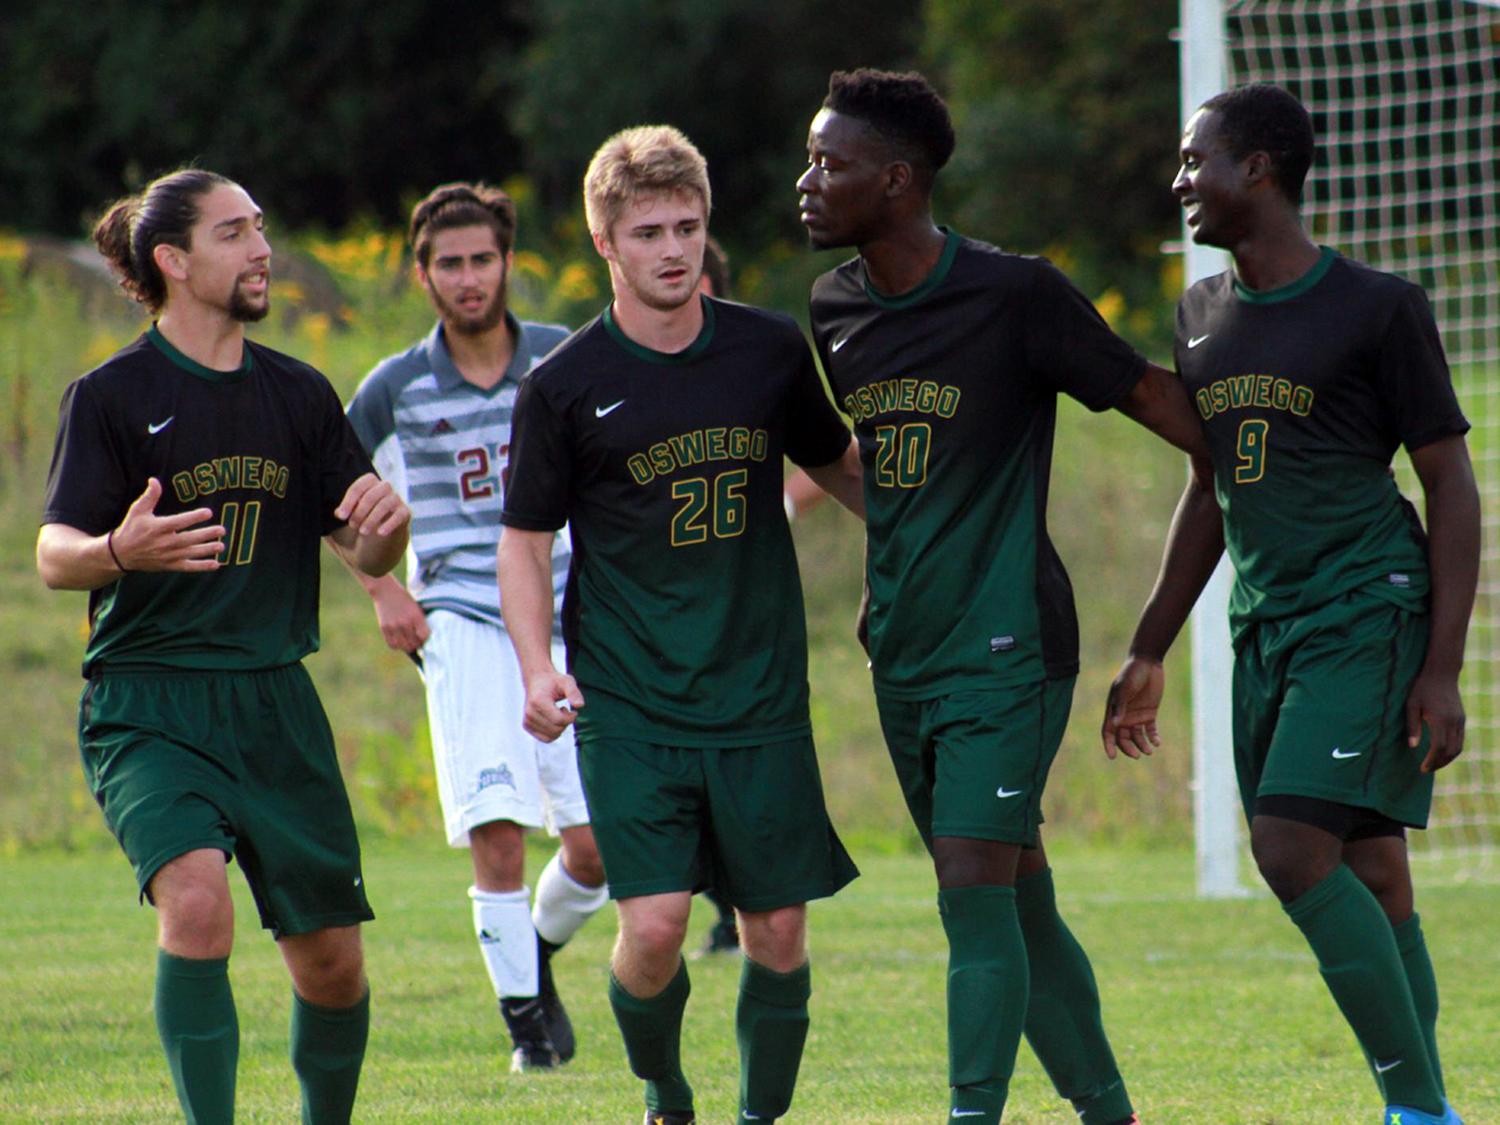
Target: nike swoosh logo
x,y
158,427
1341,755
601,411
1194,341
837,344
1381,1068
967,1113
1003,792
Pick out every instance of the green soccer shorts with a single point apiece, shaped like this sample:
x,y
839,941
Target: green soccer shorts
x,y
747,820
974,763
1320,708
239,761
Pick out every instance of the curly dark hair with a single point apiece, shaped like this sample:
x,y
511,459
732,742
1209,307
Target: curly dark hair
x,y
1264,118
462,205
902,108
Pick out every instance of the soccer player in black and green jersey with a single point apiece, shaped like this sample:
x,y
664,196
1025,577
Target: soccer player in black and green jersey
x,y
657,433
949,355
193,477
1308,371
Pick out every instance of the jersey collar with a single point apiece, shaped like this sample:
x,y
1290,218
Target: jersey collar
x,y
1290,289
651,355
193,367
928,284
440,359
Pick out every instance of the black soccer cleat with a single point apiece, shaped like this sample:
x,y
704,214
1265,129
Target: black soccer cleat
x,y
531,1047
669,1117
559,1027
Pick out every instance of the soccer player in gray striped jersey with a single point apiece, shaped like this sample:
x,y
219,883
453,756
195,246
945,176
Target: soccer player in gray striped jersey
x,y
436,420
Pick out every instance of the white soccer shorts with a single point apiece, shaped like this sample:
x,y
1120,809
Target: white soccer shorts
x,y
488,768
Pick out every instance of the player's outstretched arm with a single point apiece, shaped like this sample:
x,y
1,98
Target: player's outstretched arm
x,y
70,559
376,523
523,566
842,479
1160,402
1452,501
1194,543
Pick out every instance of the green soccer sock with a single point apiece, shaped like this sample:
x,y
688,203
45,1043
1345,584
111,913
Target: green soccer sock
x,y
987,985
200,1033
1063,1022
328,1049
652,1030
1356,951
1423,983
771,1025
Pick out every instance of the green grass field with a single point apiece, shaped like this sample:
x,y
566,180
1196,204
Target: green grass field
x,y
1215,1008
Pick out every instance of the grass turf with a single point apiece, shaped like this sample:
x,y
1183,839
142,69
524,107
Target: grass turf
x,y
1215,1008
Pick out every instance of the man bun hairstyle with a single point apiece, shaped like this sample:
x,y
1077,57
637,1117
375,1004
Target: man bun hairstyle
x,y
903,108
162,213
462,205
646,158
1261,117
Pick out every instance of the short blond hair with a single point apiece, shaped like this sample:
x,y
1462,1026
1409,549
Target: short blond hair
x,y
646,158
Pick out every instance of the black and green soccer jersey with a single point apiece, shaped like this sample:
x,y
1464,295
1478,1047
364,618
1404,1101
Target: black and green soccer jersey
x,y
266,447
953,391
1305,393
683,613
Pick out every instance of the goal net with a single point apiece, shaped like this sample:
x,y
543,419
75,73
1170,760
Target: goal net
x,y
1405,99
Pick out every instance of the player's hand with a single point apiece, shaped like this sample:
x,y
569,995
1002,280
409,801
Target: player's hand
x,y
1434,701
402,622
147,541
552,703
372,507
1130,713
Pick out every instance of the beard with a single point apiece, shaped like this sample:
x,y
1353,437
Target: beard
x,y
243,310
473,324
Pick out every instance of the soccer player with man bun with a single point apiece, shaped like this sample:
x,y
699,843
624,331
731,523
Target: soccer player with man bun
x,y
194,474
436,418
950,355
657,434
1308,371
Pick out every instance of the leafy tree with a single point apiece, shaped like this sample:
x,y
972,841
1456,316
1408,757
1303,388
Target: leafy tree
x,y
325,109
1068,122
741,77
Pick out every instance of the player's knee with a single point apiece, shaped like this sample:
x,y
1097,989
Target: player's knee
x,y
656,936
329,972
498,849
1289,866
582,862
196,922
776,938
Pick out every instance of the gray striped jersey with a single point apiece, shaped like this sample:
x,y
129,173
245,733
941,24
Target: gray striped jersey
x,y
443,444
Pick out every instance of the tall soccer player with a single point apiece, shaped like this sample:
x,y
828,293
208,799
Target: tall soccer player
x,y
657,434
436,418
1309,370
950,355
193,476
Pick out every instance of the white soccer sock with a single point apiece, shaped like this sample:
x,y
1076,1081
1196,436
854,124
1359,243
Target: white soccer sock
x,y
507,941
562,903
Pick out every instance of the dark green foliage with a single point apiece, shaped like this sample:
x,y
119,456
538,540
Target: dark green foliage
x,y
1068,123
742,78
325,110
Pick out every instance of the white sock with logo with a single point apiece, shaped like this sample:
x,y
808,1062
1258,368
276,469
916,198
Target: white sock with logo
x,y
507,941
562,903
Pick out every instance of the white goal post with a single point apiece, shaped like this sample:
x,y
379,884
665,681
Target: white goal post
x,y
1405,97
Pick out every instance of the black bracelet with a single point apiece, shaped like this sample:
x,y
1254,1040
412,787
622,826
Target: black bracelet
x,y
109,543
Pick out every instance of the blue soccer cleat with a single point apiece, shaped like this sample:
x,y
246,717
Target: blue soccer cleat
x,y
1404,1115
